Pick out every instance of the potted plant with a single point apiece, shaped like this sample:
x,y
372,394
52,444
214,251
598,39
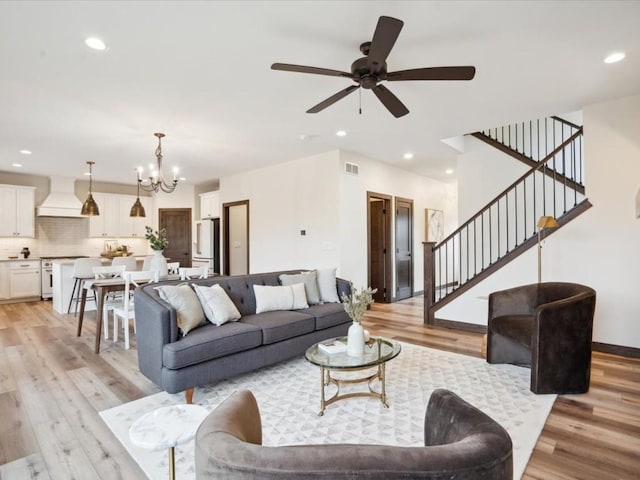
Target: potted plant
x,y
355,304
158,242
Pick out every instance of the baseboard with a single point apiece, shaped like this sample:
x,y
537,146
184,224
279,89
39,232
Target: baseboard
x,y
467,327
415,294
616,349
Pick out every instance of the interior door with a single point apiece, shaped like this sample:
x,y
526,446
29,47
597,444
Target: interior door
x,y
379,245
177,222
404,248
236,237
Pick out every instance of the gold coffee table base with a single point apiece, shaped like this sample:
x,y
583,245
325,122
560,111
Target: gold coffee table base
x,y
326,379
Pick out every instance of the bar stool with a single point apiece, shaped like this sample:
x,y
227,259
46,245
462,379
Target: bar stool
x,y
128,262
82,270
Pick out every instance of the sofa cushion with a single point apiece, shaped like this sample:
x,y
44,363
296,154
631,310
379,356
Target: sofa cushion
x,y
327,285
327,315
280,325
188,309
310,280
217,305
209,342
271,298
516,327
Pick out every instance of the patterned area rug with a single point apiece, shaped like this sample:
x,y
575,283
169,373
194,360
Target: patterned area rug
x,y
288,396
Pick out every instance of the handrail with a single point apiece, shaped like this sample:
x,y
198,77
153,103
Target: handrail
x,y
520,179
507,222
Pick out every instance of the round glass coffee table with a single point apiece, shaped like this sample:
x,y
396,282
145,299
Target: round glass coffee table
x,y
377,352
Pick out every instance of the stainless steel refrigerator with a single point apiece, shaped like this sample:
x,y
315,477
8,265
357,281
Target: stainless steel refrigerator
x,y
206,249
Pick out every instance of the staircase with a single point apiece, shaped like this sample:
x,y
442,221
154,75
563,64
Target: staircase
x,y
507,226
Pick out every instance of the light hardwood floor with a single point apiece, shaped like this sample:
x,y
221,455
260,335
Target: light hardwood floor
x,y
52,387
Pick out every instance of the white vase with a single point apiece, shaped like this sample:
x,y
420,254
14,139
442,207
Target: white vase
x,y
159,263
355,340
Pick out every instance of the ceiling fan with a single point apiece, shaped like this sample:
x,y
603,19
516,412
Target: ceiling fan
x,y
368,71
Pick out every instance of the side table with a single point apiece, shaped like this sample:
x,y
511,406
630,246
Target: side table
x,y
167,427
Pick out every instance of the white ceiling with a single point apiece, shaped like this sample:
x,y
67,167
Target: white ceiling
x,y
200,73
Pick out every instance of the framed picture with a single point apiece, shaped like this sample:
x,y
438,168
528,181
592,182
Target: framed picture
x,y
433,225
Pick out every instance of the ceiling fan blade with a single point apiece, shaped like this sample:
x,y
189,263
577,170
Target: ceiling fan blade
x,y
285,67
389,100
384,38
333,99
433,73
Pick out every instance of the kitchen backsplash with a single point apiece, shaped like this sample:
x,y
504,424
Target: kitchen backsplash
x,y
65,236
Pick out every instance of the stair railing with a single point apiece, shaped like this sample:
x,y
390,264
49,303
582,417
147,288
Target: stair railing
x,y
506,222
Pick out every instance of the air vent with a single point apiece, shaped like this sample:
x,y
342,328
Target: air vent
x,y
351,168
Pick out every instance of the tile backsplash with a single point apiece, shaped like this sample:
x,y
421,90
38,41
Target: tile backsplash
x,y
59,236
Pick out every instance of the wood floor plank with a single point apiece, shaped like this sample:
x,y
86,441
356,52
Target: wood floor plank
x,y
54,386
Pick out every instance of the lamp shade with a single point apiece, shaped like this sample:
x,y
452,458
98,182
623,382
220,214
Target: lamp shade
x,y
137,209
547,222
90,207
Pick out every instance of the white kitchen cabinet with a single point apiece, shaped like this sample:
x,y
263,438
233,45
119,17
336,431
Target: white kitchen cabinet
x,y
210,205
114,220
105,224
17,215
24,279
4,280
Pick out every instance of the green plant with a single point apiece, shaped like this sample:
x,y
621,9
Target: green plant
x,y
357,302
157,239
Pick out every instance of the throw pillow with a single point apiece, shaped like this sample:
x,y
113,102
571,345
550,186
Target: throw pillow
x,y
270,298
327,285
188,310
218,307
310,284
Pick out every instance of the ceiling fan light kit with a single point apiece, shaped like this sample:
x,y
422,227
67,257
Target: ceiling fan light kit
x,y
368,71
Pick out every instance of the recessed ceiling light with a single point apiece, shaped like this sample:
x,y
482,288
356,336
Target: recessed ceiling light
x,y
17,165
449,171
95,43
614,57
408,156
303,136
25,152
341,133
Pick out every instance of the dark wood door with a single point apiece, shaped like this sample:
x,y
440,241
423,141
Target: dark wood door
x,y
177,221
404,248
379,249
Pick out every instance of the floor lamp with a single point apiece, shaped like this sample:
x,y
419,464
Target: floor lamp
x,y
544,222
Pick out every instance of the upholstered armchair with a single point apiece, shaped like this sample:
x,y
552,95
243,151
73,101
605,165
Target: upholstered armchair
x,y
547,327
461,442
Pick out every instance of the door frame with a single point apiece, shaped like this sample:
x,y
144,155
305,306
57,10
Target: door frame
x,y
388,272
395,250
226,266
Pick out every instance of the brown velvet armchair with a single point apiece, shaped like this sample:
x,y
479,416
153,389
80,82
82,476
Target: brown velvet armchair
x,y
461,442
547,327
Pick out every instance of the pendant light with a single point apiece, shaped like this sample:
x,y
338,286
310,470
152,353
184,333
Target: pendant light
x,y
90,207
137,210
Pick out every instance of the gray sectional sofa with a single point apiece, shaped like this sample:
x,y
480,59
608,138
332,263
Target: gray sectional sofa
x,y
212,353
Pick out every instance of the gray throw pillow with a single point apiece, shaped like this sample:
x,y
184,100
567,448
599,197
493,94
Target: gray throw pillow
x,y
188,309
310,284
218,307
327,285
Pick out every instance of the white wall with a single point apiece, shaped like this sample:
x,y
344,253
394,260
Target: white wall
x,y
380,177
284,199
313,194
601,247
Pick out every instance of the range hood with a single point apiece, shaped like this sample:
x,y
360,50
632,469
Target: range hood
x,y
62,200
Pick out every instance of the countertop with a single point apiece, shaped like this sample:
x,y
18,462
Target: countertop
x,y
7,259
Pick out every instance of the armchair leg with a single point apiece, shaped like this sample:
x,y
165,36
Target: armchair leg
x,y
188,395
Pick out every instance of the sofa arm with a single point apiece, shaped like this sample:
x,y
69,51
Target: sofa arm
x,y
156,326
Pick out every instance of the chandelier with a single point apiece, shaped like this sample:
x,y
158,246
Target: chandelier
x,y
156,181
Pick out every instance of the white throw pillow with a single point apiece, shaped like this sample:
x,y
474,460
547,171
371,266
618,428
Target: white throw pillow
x,y
270,298
218,307
188,310
299,296
310,284
327,285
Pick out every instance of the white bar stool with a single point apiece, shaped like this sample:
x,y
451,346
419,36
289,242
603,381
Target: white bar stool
x,y
82,270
